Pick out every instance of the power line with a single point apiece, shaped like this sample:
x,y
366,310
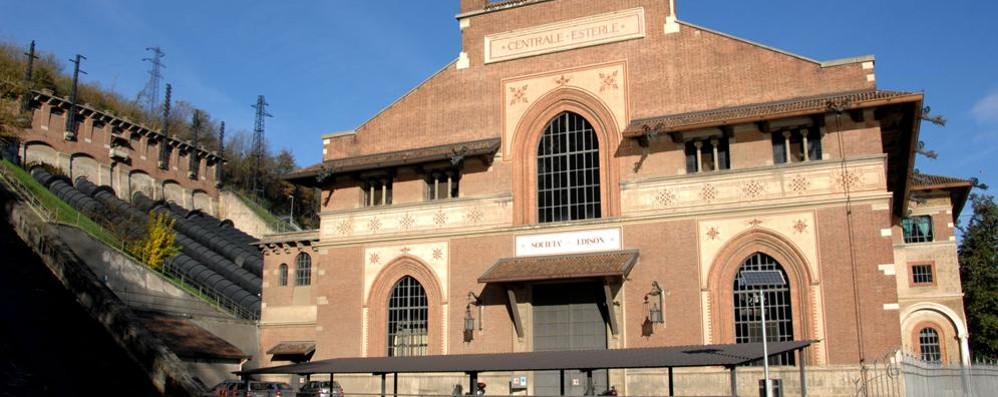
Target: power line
x,y
71,118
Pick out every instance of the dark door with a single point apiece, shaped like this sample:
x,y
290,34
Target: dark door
x,y
568,317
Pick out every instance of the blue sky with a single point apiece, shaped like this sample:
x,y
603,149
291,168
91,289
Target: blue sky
x,y
330,65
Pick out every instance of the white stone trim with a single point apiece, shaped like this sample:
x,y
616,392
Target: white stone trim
x,y
887,232
888,269
891,306
463,62
868,65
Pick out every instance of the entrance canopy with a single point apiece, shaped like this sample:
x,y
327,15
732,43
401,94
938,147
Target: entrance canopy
x,y
729,355
555,267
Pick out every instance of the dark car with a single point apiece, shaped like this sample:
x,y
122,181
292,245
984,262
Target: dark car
x,y
321,388
237,388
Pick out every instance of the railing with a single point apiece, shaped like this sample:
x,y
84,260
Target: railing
x,y
77,220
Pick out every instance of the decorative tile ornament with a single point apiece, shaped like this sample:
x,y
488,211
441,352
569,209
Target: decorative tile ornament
x,y
406,222
474,215
753,189
708,193
800,226
440,218
755,222
665,198
374,258
345,227
374,225
563,80
799,184
713,233
847,180
608,81
519,95
438,254
405,250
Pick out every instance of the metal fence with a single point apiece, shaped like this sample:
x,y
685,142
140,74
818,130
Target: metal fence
x,y
900,373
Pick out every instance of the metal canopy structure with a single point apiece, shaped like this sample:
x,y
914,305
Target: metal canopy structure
x,y
728,355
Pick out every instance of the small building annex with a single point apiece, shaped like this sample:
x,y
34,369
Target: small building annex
x,y
597,175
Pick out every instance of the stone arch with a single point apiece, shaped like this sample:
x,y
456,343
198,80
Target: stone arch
x,y
380,292
40,152
173,192
140,181
720,281
946,320
200,200
528,132
82,164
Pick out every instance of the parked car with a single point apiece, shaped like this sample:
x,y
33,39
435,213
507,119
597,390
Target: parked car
x,y
237,388
321,388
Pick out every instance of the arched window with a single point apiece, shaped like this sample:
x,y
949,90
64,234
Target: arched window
x,y
928,345
568,174
303,270
779,316
407,314
282,275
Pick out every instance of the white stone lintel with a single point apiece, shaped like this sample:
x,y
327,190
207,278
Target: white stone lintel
x,y
891,306
888,269
886,232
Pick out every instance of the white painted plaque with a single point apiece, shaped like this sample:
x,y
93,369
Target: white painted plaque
x,y
566,35
568,242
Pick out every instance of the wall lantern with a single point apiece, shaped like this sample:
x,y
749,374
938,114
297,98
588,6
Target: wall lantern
x,y
469,319
656,315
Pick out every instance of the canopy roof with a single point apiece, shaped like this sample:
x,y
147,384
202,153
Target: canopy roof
x,y
728,355
536,268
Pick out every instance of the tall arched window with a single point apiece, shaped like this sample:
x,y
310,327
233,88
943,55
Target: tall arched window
x,y
282,275
568,174
407,314
928,345
303,270
779,316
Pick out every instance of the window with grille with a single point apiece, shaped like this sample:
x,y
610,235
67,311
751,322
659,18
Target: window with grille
x,y
407,319
928,345
917,229
922,274
568,171
707,155
303,270
797,145
282,275
442,184
779,316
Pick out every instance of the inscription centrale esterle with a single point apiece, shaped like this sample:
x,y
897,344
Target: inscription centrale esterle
x,y
560,36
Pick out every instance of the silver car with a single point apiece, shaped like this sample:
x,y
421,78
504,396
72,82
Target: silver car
x,y
321,388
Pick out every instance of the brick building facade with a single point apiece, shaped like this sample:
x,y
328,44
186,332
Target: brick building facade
x,y
582,163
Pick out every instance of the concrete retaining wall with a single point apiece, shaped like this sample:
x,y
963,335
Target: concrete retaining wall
x,y
232,207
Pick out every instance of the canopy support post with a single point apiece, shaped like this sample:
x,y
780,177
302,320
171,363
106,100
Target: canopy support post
x,y
589,383
515,312
561,383
609,307
801,357
474,383
383,385
734,382
672,390
395,384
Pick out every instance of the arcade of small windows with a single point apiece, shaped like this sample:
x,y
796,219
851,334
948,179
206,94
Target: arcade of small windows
x,y
568,170
303,270
917,229
377,191
707,155
779,316
282,275
408,312
795,146
928,345
442,184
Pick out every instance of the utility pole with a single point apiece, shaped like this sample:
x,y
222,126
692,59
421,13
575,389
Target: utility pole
x,y
258,142
194,163
219,173
70,134
150,94
29,76
164,150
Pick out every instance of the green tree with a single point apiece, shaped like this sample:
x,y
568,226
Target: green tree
x,y
12,90
979,271
159,242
